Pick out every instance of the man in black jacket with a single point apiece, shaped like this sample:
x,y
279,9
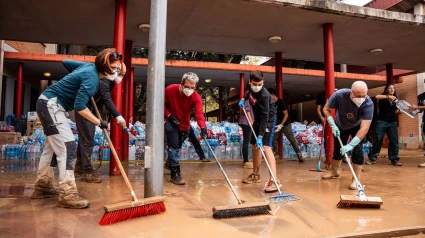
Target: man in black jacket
x,y
86,129
264,117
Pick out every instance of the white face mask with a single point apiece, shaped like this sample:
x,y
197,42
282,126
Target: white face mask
x,y
358,101
256,89
118,79
188,92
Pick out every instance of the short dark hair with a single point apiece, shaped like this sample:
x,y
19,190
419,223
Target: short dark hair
x,y
256,76
104,59
272,91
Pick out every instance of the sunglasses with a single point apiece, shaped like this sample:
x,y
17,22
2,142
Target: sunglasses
x,y
115,55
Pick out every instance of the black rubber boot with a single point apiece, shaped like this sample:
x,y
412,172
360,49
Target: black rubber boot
x,y
175,175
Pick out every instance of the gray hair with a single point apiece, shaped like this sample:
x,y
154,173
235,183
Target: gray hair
x,y
359,86
192,77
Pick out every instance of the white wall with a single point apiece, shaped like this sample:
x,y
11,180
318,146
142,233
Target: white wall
x,y
10,96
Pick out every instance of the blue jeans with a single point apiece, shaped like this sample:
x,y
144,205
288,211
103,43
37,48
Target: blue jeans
x,y
381,128
175,139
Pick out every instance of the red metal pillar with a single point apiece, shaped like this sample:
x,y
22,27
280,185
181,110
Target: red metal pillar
x,y
389,69
19,84
131,98
279,91
241,88
329,82
220,103
126,101
119,44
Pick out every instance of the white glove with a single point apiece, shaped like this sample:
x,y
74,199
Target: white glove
x,y
278,128
120,121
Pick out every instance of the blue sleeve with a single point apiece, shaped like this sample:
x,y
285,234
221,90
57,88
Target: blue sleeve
x,y
71,65
367,111
333,101
86,91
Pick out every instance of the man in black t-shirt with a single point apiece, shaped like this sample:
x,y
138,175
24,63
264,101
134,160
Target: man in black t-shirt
x,y
283,125
421,106
320,103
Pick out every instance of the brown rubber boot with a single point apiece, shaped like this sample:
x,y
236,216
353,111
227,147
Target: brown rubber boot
x,y
175,175
91,177
43,187
300,158
78,170
334,171
69,198
357,170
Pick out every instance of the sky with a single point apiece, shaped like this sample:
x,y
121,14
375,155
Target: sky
x,y
356,2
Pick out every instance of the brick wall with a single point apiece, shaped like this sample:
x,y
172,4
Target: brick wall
x,y
406,91
27,47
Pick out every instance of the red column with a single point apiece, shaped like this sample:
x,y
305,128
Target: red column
x,y
241,88
220,103
126,101
389,69
329,82
279,91
19,84
131,98
119,44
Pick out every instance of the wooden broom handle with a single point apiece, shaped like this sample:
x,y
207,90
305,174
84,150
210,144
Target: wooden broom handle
x,y
117,160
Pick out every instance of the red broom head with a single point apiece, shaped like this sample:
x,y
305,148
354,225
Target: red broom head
x,y
133,212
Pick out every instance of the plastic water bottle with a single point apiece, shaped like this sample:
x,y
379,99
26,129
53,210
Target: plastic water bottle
x,y
95,153
229,151
3,152
404,107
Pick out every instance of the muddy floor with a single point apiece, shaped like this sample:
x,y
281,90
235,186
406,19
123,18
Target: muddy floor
x,y
189,207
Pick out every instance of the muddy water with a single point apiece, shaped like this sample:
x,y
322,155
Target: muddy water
x,y
189,207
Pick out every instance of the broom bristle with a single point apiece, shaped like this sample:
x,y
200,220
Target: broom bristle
x,y
283,198
241,212
351,201
133,212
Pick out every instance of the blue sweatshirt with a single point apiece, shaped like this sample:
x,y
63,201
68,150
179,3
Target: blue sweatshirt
x,y
75,89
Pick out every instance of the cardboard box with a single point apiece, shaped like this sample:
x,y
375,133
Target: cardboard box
x,y
9,137
32,126
32,116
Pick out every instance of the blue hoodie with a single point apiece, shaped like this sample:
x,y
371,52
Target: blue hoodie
x,y
75,89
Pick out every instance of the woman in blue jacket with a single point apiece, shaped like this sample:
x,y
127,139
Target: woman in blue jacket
x,y
72,92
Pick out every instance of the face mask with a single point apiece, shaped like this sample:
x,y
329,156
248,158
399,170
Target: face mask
x,y
358,101
118,79
188,92
256,89
112,76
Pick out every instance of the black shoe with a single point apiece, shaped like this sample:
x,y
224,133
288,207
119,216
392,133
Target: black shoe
x,y
204,160
396,163
167,165
175,175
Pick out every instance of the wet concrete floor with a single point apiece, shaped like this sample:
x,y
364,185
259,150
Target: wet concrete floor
x,y
189,207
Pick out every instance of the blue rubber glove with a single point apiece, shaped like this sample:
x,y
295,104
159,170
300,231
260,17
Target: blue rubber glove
x,y
259,142
335,130
350,145
241,103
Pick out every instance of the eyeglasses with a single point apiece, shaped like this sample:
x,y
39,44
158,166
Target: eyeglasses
x,y
115,55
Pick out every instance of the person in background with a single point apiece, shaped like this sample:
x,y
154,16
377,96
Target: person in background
x,y
247,133
354,113
180,100
264,117
320,104
283,125
421,106
86,129
72,92
386,122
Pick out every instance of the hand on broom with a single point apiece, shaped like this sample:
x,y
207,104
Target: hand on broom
x,y
350,146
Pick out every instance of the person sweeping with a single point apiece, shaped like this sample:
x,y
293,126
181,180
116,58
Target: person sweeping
x,y
354,113
180,100
72,92
108,60
264,117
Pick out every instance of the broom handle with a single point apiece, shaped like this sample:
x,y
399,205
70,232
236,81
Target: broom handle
x,y
262,152
222,171
359,188
322,140
117,160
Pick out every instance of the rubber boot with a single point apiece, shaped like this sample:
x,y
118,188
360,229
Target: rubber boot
x,y
300,157
357,170
334,171
91,177
43,187
175,175
69,198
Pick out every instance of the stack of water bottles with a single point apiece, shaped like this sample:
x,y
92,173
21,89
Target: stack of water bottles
x,y
101,150
30,150
309,140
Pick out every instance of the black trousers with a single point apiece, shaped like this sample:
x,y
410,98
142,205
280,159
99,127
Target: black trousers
x,y
86,131
247,133
196,144
357,154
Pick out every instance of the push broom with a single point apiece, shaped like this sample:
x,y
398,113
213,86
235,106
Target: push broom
x,y
281,197
240,210
320,153
360,200
127,210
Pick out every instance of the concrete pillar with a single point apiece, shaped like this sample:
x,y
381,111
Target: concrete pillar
x,y
418,9
126,102
329,82
220,103
343,68
19,84
300,112
117,92
389,70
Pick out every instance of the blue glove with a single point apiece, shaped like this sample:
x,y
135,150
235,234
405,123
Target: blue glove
x,y
241,103
350,145
335,130
259,142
